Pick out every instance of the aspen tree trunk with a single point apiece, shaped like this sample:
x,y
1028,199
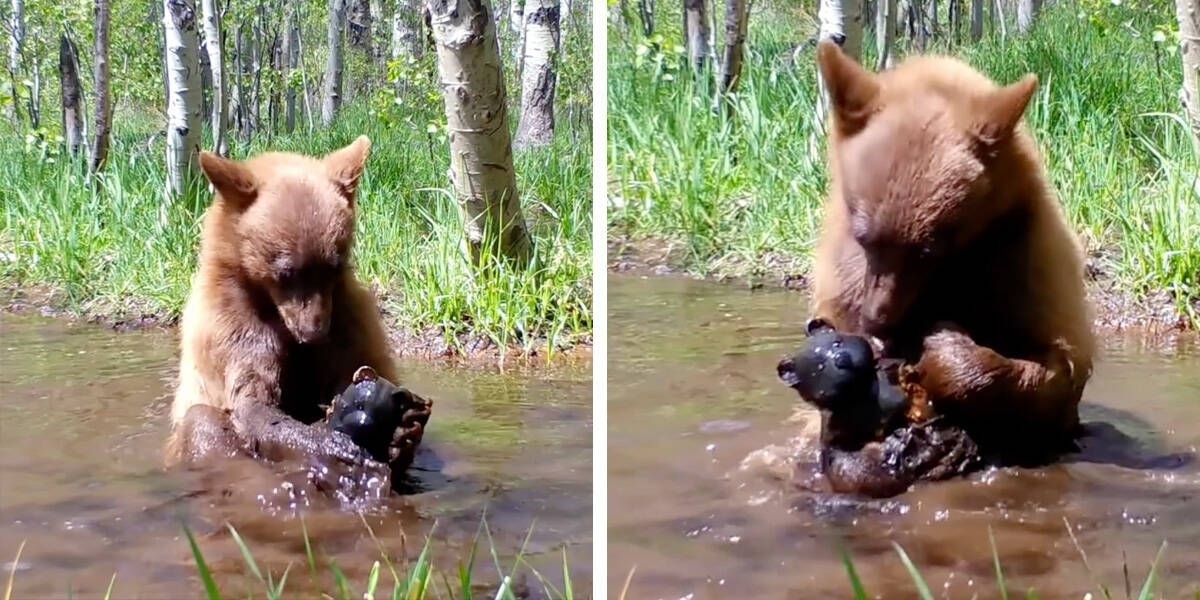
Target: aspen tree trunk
x,y
256,68
291,55
102,117
305,90
736,22
646,12
885,32
359,26
1188,13
840,21
239,82
931,20
481,165
1026,13
516,20
977,20
184,98
695,32
16,47
332,100
216,61
539,78
406,30
72,94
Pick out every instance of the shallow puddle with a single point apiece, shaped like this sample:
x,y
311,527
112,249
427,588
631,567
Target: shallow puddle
x,y
83,419
692,392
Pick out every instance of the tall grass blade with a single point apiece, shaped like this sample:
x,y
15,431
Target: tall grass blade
x,y
210,586
918,581
246,555
12,573
855,583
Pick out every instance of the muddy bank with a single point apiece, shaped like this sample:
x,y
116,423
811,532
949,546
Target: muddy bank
x,y
1116,309
429,344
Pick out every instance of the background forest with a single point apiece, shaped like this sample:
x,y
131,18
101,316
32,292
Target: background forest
x,y
101,208
716,151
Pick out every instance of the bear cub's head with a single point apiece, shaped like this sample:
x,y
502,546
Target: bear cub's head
x,y
292,228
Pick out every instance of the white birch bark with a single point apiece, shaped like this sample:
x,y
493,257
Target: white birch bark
x,y
885,32
72,94
931,20
481,163
1188,13
695,32
840,21
539,77
1026,13
406,30
16,47
331,101
216,63
102,117
184,98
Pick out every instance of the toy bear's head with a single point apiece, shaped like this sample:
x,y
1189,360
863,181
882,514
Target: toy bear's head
x,y
831,368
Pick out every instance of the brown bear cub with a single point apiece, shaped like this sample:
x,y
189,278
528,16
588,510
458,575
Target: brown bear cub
x,y
276,325
943,240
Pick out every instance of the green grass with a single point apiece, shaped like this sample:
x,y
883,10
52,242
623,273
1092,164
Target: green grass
x,y
741,196
112,246
410,580
1146,592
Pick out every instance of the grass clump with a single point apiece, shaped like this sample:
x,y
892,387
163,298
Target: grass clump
x,y
741,195
111,245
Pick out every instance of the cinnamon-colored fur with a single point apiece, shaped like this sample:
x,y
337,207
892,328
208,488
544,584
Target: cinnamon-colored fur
x,y
942,238
275,323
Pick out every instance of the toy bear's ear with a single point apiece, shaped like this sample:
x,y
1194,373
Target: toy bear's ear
x,y
816,324
364,373
786,369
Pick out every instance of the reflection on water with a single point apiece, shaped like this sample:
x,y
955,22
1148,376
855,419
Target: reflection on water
x,y
83,417
692,392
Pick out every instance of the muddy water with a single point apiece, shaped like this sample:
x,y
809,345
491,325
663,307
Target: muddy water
x,y
692,392
83,416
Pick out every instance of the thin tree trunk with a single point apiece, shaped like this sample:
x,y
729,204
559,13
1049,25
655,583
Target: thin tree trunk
x,y
102,119
977,20
955,8
257,33
331,103
1026,13
840,21
216,62
16,47
35,97
305,90
540,75
406,30
184,93
885,32
239,81
646,12
1188,13
1000,20
695,32
737,19
72,94
931,21
291,55
481,165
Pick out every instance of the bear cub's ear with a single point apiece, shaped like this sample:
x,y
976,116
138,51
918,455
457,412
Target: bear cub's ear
x,y
853,90
236,184
345,166
1000,112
